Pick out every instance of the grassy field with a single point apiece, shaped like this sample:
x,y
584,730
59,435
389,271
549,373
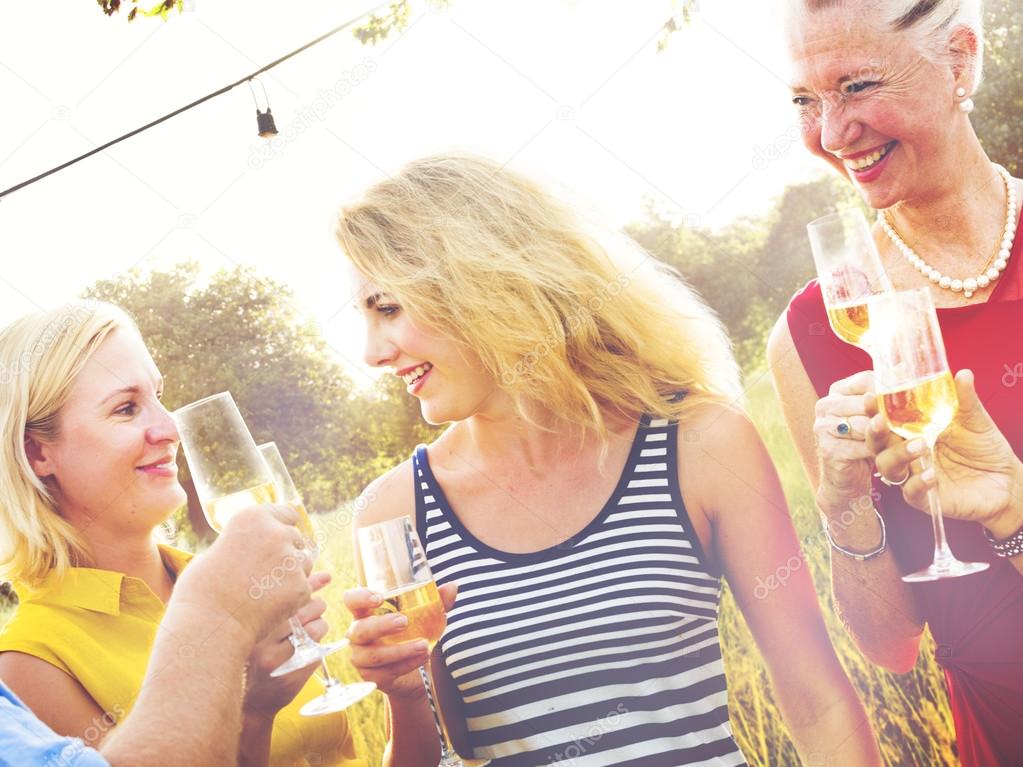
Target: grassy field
x,y
910,713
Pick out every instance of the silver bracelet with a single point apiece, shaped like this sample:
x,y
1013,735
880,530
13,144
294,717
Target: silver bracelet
x,y
852,554
1007,547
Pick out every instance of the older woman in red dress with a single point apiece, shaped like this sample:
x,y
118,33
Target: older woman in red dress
x,y
884,91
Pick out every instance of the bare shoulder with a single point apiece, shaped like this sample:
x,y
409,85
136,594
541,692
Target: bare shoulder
x,y
388,496
719,443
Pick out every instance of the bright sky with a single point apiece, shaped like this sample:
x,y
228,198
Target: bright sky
x,y
573,90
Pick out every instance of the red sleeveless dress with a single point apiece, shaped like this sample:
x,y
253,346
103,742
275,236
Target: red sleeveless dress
x,y
976,620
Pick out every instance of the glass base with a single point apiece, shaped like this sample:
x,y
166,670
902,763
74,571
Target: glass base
x,y
337,698
306,655
951,569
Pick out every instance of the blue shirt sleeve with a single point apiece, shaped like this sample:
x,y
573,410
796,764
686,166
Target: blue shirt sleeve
x,y
27,742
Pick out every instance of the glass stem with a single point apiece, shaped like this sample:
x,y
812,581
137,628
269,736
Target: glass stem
x,y
942,553
299,636
447,751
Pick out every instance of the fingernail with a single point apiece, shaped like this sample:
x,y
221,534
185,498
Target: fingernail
x,y
928,476
421,646
877,422
915,446
399,620
375,599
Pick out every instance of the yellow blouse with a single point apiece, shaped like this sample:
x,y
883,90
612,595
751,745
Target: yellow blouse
x,y
99,627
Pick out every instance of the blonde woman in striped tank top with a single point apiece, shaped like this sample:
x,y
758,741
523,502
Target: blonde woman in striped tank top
x,y
586,540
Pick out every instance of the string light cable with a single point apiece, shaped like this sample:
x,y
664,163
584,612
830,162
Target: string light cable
x,y
197,102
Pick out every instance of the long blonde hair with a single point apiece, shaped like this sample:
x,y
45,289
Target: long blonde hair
x,y
41,355
560,311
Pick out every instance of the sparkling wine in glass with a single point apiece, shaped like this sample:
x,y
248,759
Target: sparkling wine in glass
x,y
917,394
849,271
230,474
395,567
307,650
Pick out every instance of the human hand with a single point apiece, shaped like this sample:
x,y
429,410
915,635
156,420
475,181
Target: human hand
x,y
393,667
255,572
846,463
977,474
266,695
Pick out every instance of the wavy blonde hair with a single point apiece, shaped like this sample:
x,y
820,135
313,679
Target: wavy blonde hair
x,y
559,311
41,355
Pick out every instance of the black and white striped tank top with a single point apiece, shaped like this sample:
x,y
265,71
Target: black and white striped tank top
x,y
601,651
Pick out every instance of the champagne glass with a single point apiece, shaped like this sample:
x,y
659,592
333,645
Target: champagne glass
x,y
849,271
917,394
396,568
230,474
307,651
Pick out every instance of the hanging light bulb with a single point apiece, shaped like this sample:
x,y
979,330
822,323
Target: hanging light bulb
x,y
264,120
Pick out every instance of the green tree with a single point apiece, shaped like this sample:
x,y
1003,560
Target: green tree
x,y
748,270
240,332
1000,98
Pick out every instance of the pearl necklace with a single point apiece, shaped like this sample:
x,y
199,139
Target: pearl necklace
x,y
970,285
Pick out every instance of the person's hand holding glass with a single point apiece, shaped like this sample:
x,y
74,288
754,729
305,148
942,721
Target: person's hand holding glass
x,y
917,395
230,473
849,272
396,569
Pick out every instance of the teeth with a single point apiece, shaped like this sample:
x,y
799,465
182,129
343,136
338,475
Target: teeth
x,y
415,375
863,163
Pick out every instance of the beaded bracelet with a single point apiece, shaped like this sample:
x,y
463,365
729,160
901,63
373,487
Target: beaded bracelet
x,y
1007,547
852,554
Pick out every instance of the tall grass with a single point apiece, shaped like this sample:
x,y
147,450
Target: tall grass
x,y
910,713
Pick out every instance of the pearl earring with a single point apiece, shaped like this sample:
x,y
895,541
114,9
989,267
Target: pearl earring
x,y
966,106
960,92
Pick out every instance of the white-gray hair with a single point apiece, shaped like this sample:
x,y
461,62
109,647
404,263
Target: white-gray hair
x,y
928,23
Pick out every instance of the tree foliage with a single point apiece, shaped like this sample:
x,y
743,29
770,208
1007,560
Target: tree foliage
x,y
239,332
1000,98
748,270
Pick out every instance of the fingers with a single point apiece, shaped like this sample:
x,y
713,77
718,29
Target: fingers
x,y
317,581
870,405
317,629
283,512
895,462
854,385
972,412
879,435
916,488
382,663
840,405
448,594
361,602
307,613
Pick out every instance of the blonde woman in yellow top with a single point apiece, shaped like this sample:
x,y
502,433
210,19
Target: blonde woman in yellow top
x,y
87,472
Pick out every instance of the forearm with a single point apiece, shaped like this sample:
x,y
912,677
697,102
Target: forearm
x,y
828,724
254,743
192,686
413,740
873,602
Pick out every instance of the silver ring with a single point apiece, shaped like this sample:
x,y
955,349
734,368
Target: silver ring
x,y
886,481
843,429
